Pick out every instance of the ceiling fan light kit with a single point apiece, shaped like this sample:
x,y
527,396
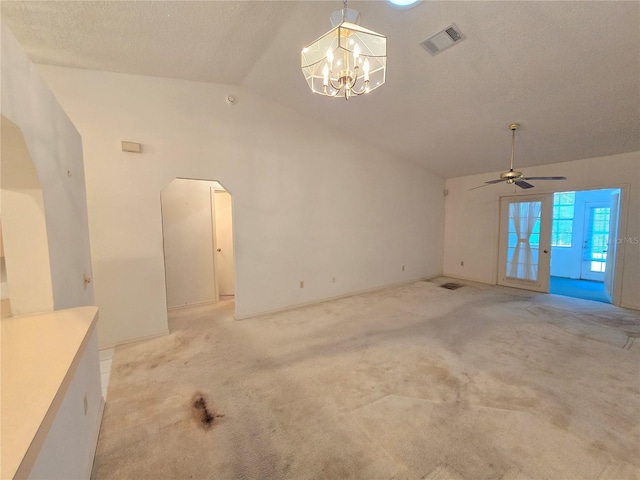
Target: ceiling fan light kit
x,y
514,176
348,60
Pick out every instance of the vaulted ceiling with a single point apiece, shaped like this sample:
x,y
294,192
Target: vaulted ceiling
x,y
569,72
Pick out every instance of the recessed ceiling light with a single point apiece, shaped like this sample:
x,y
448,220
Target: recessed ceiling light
x,y
404,3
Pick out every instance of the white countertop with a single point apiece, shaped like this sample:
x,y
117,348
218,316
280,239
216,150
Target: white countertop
x,y
39,356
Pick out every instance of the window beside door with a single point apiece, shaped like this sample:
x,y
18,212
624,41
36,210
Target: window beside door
x,y
562,222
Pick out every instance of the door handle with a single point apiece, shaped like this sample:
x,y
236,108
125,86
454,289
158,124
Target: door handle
x,y
546,251
219,249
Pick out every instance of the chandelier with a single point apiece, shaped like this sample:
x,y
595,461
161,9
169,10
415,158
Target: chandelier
x,y
347,60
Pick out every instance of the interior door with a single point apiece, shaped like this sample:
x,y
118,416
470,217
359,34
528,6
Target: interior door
x,y
611,254
595,244
223,229
525,242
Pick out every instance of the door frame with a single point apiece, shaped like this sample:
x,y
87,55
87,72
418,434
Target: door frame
x,y
213,244
544,247
587,232
621,246
214,234
621,237
614,225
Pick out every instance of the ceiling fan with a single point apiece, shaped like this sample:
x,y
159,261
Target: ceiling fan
x,y
514,176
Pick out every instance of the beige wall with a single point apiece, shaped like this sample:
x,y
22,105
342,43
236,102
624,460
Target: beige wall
x,y
55,148
471,227
309,203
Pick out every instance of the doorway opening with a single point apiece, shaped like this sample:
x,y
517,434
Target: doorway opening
x,y
197,229
25,266
582,251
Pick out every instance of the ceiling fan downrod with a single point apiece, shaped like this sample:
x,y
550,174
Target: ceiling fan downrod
x,y
513,127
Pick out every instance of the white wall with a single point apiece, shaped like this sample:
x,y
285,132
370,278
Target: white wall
x,y
471,226
567,261
69,447
188,242
55,149
302,211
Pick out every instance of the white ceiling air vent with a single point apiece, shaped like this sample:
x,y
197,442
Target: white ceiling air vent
x,y
442,40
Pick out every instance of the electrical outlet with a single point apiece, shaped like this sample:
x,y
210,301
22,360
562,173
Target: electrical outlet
x,y
461,263
301,283
403,268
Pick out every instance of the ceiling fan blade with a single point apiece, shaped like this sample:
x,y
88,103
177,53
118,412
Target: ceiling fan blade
x,y
497,181
523,184
479,186
545,178
490,182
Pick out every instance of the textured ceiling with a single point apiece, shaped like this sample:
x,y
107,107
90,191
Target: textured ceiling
x,y
569,72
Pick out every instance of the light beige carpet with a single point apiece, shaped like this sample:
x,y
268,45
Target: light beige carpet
x,y
414,382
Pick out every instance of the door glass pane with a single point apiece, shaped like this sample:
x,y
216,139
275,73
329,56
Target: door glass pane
x,y
598,240
523,240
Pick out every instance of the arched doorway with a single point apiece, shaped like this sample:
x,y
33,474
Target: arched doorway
x,y
197,224
26,267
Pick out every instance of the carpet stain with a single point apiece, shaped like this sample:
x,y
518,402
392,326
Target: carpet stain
x,y
202,414
560,421
629,343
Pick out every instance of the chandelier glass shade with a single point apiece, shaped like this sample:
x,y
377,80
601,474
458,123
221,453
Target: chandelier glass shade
x,y
347,60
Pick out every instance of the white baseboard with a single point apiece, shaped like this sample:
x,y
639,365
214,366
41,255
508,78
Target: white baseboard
x,y
630,307
133,340
189,305
337,297
467,279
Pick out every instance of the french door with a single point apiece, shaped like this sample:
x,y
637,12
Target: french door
x,y
525,242
595,244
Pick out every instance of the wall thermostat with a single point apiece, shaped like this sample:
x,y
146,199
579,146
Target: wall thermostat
x,y
132,147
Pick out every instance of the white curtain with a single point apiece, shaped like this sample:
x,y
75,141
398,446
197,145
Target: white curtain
x,y
521,262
